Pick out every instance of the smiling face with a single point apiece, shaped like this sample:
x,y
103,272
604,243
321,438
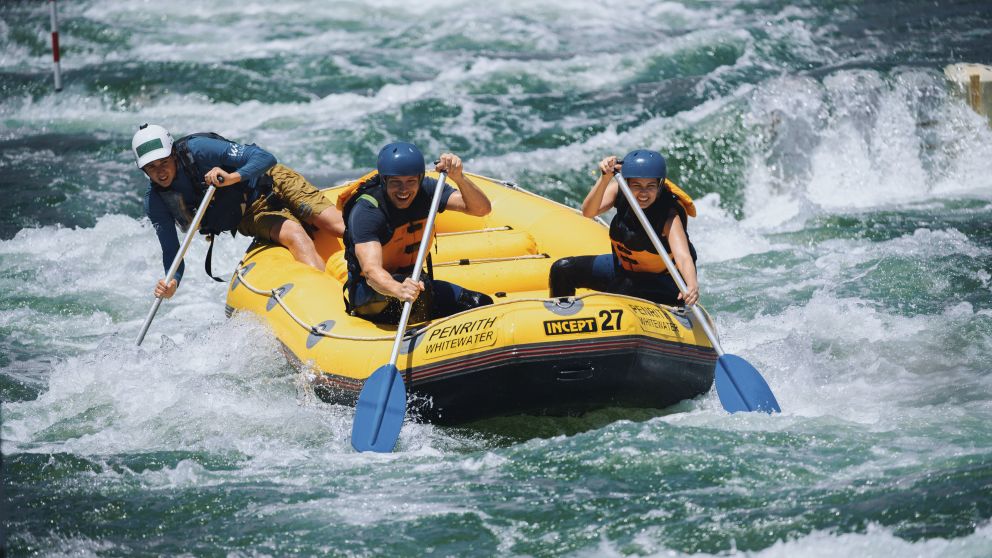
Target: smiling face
x,y
645,190
161,171
401,190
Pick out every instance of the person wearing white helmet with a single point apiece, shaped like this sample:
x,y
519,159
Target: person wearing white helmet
x,y
255,195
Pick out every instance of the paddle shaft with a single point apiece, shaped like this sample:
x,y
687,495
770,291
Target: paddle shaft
x,y
668,261
421,256
194,226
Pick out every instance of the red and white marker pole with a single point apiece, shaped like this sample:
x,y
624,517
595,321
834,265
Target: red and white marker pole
x,y
55,45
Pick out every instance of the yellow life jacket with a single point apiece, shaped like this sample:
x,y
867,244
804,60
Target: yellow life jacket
x,y
684,200
400,251
640,261
369,180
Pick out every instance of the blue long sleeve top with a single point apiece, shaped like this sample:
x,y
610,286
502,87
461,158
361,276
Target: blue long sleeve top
x,y
177,204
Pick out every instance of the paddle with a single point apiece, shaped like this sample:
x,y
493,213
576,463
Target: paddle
x,y
382,401
738,384
193,227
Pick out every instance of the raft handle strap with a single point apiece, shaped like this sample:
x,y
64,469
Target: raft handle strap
x,y
467,261
207,265
476,231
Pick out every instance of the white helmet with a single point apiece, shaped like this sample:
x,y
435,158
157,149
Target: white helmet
x,y
151,143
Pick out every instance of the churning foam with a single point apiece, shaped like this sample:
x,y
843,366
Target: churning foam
x,y
860,140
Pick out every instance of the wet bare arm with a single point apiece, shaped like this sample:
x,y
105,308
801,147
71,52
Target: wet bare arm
x,y
603,194
469,198
679,244
369,256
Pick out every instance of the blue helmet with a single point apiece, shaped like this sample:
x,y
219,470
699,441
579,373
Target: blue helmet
x,y
644,163
400,159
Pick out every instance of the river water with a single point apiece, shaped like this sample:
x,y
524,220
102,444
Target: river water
x,y
845,196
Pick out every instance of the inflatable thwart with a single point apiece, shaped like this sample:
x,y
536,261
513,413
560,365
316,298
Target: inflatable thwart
x,y
525,354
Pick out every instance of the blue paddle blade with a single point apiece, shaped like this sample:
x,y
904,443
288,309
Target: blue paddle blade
x,y
380,411
741,387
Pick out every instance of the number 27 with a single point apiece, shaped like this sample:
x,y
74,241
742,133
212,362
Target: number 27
x,y
608,317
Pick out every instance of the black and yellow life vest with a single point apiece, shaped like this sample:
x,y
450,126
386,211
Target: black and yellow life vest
x,y
399,253
631,245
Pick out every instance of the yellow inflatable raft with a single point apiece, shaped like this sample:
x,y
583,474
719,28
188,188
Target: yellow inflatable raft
x,y
525,354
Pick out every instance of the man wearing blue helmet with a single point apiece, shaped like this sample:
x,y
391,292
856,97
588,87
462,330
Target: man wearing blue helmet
x,y
385,221
635,268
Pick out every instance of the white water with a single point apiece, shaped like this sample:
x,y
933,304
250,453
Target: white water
x,y
857,141
854,128
850,364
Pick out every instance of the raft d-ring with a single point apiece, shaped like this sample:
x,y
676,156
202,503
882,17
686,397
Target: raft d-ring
x,y
682,318
411,340
564,305
317,331
281,291
237,278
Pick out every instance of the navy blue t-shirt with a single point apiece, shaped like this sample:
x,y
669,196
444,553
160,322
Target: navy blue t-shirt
x,y
367,222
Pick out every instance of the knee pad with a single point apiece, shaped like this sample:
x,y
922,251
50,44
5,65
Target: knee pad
x,y
423,306
381,309
376,308
560,278
564,265
472,299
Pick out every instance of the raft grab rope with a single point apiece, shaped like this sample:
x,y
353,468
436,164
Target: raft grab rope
x,y
322,329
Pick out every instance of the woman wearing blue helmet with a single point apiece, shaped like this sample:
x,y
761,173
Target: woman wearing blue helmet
x,y
634,267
